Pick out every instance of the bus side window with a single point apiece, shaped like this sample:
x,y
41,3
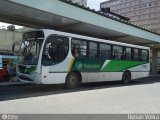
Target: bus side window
x,y
79,48
75,52
93,50
128,54
117,52
144,55
55,50
135,54
105,51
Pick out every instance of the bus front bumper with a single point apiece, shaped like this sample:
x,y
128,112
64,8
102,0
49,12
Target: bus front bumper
x,y
26,78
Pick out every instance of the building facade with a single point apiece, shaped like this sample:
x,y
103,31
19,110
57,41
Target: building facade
x,y
8,38
81,2
145,13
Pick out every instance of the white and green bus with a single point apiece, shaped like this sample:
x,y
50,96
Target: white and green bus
x,y
53,57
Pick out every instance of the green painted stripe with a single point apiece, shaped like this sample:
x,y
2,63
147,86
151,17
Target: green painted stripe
x,y
118,65
95,65
87,65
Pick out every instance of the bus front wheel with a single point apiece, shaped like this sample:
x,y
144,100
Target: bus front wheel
x,y
126,78
72,80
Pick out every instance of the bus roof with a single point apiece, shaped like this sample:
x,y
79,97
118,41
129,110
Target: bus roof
x,y
48,32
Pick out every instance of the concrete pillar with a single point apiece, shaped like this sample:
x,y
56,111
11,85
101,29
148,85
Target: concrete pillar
x,y
154,61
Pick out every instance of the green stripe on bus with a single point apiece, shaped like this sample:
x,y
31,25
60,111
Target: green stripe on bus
x,y
93,65
87,65
119,66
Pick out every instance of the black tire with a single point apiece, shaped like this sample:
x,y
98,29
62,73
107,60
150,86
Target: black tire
x,y
126,78
72,80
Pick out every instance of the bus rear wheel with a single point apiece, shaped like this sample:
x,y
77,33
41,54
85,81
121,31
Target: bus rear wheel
x,y
72,80
126,78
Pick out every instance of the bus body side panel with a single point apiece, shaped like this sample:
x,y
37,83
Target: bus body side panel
x,y
109,70
56,74
140,71
104,76
84,77
136,75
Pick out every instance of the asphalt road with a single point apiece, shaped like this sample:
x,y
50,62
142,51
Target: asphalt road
x,y
141,96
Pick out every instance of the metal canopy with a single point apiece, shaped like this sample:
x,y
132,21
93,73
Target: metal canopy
x,y
66,16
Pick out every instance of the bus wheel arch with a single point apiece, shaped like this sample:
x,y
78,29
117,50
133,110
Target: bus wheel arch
x,y
126,77
73,79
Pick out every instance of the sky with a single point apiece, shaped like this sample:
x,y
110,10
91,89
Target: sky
x,y
93,4
4,25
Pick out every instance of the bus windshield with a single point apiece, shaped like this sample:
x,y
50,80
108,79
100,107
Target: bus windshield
x,y
30,47
31,51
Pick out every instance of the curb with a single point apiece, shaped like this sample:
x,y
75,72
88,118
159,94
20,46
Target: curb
x,y
12,83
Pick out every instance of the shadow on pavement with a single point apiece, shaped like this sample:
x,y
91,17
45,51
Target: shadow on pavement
x,y
31,90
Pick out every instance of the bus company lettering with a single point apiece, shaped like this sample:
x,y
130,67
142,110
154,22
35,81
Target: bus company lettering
x,y
92,66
